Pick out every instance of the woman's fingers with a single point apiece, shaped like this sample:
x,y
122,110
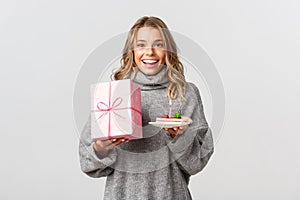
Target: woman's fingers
x,y
176,130
119,141
104,142
110,143
171,131
186,119
102,147
116,142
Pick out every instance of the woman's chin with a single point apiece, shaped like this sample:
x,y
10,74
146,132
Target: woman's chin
x,y
150,70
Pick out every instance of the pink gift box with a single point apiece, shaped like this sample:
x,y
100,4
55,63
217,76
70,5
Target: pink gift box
x,y
116,110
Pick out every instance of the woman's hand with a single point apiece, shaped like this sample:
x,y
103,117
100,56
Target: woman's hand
x,y
179,130
102,147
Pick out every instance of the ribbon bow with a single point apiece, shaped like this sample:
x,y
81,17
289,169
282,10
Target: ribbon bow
x,y
109,108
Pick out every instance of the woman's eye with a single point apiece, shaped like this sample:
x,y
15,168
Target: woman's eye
x,y
140,45
160,45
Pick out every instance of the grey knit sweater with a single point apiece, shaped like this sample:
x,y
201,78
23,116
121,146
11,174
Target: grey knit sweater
x,y
157,167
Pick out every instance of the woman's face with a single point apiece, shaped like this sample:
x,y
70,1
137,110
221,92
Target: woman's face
x,y
149,50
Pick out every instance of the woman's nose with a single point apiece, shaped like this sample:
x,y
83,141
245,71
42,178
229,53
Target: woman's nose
x,y
149,51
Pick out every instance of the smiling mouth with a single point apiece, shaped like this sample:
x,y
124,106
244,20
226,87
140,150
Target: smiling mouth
x,y
150,62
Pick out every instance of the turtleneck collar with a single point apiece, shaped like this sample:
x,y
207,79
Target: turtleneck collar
x,y
151,82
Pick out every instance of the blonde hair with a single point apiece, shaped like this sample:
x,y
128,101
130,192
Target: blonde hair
x,y
175,70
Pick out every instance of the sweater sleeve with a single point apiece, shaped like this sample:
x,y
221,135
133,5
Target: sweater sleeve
x,y
193,149
90,163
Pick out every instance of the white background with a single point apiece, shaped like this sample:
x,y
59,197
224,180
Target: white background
x,y
254,44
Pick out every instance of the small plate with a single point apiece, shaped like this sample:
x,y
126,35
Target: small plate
x,y
169,124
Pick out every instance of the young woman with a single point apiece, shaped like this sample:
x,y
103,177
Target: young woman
x,y
159,165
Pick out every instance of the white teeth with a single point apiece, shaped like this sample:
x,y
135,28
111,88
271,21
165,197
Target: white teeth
x,y
150,61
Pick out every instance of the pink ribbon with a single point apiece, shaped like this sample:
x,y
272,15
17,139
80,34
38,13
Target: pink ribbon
x,y
111,107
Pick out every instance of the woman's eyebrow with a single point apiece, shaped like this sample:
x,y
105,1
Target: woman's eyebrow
x,y
158,40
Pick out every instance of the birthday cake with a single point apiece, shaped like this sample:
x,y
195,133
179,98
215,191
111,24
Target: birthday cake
x,y
165,121
167,118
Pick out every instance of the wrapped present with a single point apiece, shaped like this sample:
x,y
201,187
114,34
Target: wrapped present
x,y
116,110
